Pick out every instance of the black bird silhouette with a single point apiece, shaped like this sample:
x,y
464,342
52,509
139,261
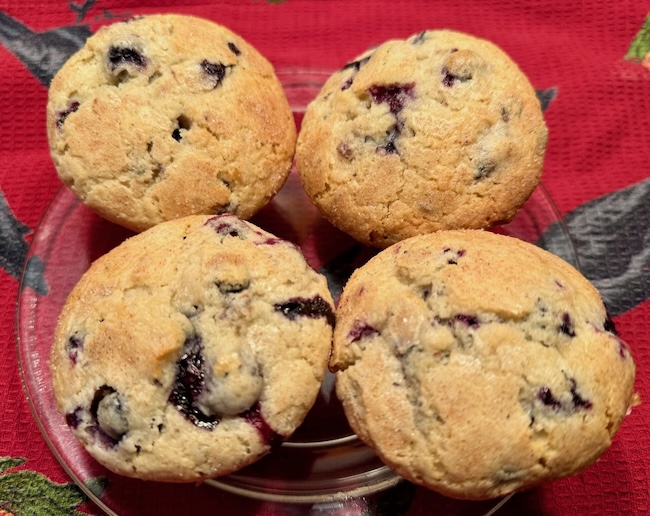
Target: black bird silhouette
x,y
611,235
13,250
43,53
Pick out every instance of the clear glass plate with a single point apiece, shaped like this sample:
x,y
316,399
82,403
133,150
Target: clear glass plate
x,y
323,462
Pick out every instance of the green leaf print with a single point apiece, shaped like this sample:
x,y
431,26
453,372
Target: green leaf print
x,y
9,463
29,492
640,45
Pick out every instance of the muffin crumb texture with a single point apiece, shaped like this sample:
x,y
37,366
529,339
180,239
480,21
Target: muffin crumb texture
x,y
438,131
163,116
192,349
474,380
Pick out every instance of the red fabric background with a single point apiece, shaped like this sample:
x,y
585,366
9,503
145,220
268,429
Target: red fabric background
x,y
599,143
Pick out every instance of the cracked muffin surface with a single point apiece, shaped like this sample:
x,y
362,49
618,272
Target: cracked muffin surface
x,y
438,131
167,115
476,364
191,349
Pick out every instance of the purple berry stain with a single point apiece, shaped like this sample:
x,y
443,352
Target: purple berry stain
x,y
189,383
73,347
545,395
468,320
453,255
449,79
120,56
300,307
65,113
227,225
395,95
268,240
610,327
269,436
578,401
623,349
361,330
73,419
567,325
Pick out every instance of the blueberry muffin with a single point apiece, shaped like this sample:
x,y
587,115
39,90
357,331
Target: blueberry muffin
x,y
166,115
438,131
191,349
476,364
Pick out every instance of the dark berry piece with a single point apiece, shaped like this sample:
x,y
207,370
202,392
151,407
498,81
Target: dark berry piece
x,y
184,123
567,325
344,150
348,83
395,95
74,346
269,436
233,48
361,330
300,307
111,416
215,71
389,146
227,225
545,395
100,394
189,383
453,255
356,65
623,349
73,419
269,240
485,169
609,326
119,57
449,79
505,114
62,115
106,410
578,401
468,320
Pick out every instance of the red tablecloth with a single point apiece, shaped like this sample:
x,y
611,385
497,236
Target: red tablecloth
x,y
587,58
